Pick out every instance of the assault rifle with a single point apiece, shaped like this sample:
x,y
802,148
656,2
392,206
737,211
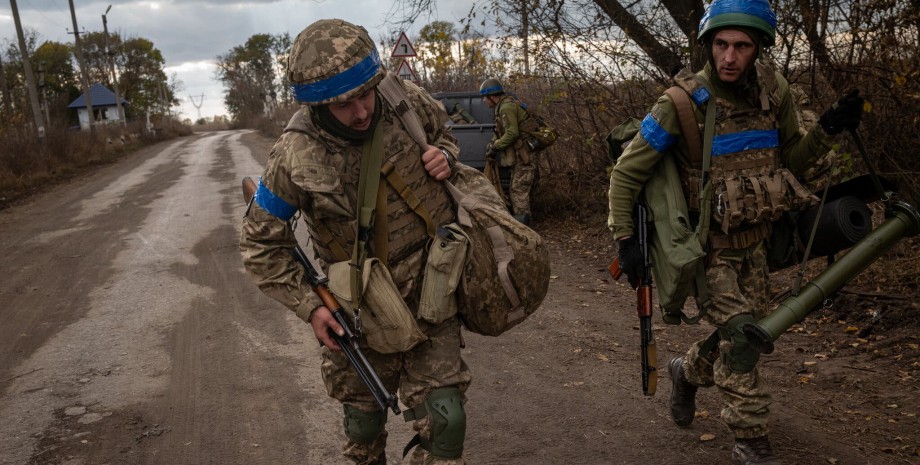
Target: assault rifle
x,y
348,342
643,304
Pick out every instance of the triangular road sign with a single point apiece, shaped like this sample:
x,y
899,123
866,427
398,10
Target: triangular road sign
x,y
406,72
403,48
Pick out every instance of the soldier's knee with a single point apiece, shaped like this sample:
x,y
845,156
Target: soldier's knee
x,y
363,427
742,357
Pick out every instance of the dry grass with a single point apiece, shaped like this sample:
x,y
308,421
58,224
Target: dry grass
x,y
29,165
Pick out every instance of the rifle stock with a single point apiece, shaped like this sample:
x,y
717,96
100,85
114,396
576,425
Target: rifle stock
x,y
643,306
348,342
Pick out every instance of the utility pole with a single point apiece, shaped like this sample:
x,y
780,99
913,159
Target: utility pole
x,y
198,105
84,75
30,78
111,63
525,33
42,86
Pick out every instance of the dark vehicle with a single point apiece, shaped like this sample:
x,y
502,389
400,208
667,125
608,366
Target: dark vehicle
x,y
472,123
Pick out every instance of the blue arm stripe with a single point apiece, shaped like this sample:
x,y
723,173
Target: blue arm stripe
x,y
655,135
747,140
274,204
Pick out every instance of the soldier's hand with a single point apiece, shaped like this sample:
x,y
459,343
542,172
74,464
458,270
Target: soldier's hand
x,y
631,260
843,115
490,151
322,322
436,163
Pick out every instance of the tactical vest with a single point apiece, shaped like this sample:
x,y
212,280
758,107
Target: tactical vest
x,y
333,190
750,186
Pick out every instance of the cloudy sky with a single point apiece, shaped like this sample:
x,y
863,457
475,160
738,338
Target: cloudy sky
x,y
191,33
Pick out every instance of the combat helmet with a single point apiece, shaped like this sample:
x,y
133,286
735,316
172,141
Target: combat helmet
x,y
491,86
333,61
752,14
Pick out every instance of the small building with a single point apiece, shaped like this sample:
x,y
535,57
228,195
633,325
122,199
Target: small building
x,y
104,108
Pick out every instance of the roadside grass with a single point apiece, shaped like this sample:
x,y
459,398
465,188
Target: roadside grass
x,y
29,165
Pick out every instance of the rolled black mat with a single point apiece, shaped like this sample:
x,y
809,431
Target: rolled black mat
x,y
844,221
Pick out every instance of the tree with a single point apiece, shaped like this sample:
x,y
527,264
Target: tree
x,y
55,60
143,80
436,42
249,74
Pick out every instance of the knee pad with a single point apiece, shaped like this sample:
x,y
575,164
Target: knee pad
x,y
363,427
742,358
447,420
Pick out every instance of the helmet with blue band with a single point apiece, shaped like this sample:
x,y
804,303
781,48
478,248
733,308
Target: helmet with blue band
x,y
752,14
333,61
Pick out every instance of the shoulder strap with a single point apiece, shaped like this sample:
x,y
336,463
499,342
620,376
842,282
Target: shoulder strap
x,y
688,125
394,93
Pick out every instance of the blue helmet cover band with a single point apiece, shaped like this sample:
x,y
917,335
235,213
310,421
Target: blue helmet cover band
x,y
490,90
759,9
334,86
273,204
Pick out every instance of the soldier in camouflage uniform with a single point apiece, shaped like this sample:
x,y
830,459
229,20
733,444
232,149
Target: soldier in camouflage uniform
x,y
509,146
314,169
756,136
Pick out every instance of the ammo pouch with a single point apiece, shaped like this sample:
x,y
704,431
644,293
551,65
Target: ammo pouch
x,y
385,318
742,201
446,260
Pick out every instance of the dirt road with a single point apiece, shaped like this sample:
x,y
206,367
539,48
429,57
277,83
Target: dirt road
x,y
130,334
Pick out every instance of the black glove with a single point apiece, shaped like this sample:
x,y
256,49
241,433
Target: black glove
x,y
845,114
490,151
631,260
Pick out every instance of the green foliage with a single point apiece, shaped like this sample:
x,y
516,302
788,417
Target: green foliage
x,y
252,74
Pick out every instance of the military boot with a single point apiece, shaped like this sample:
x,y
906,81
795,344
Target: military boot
x,y
683,394
755,451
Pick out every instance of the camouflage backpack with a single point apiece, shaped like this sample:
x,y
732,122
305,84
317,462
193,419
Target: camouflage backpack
x,y
507,268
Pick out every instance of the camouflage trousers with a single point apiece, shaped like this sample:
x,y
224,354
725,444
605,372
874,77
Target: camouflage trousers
x,y
522,176
738,283
432,364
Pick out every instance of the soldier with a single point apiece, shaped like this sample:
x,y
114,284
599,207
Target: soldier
x,y
756,139
509,146
315,168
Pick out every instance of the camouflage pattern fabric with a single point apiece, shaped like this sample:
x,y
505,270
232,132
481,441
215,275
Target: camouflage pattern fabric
x,y
316,173
522,177
738,284
430,365
831,168
327,48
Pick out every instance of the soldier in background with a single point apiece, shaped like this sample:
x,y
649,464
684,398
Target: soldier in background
x,y
314,168
508,146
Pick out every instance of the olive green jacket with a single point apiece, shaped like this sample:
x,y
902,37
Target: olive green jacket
x,y
637,163
509,138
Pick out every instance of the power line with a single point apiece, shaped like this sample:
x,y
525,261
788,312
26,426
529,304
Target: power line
x,y
198,105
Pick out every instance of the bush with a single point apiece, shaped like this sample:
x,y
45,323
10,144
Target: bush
x,y
27,164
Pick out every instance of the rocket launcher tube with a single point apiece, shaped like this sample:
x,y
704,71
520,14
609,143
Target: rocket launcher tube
x,y
904,221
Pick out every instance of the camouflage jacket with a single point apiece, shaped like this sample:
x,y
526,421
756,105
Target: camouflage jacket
x,y
317,174
796,150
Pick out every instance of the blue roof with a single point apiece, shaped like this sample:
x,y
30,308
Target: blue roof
x,y
100,97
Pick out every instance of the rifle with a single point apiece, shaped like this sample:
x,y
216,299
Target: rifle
x,y
643,305
348,342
